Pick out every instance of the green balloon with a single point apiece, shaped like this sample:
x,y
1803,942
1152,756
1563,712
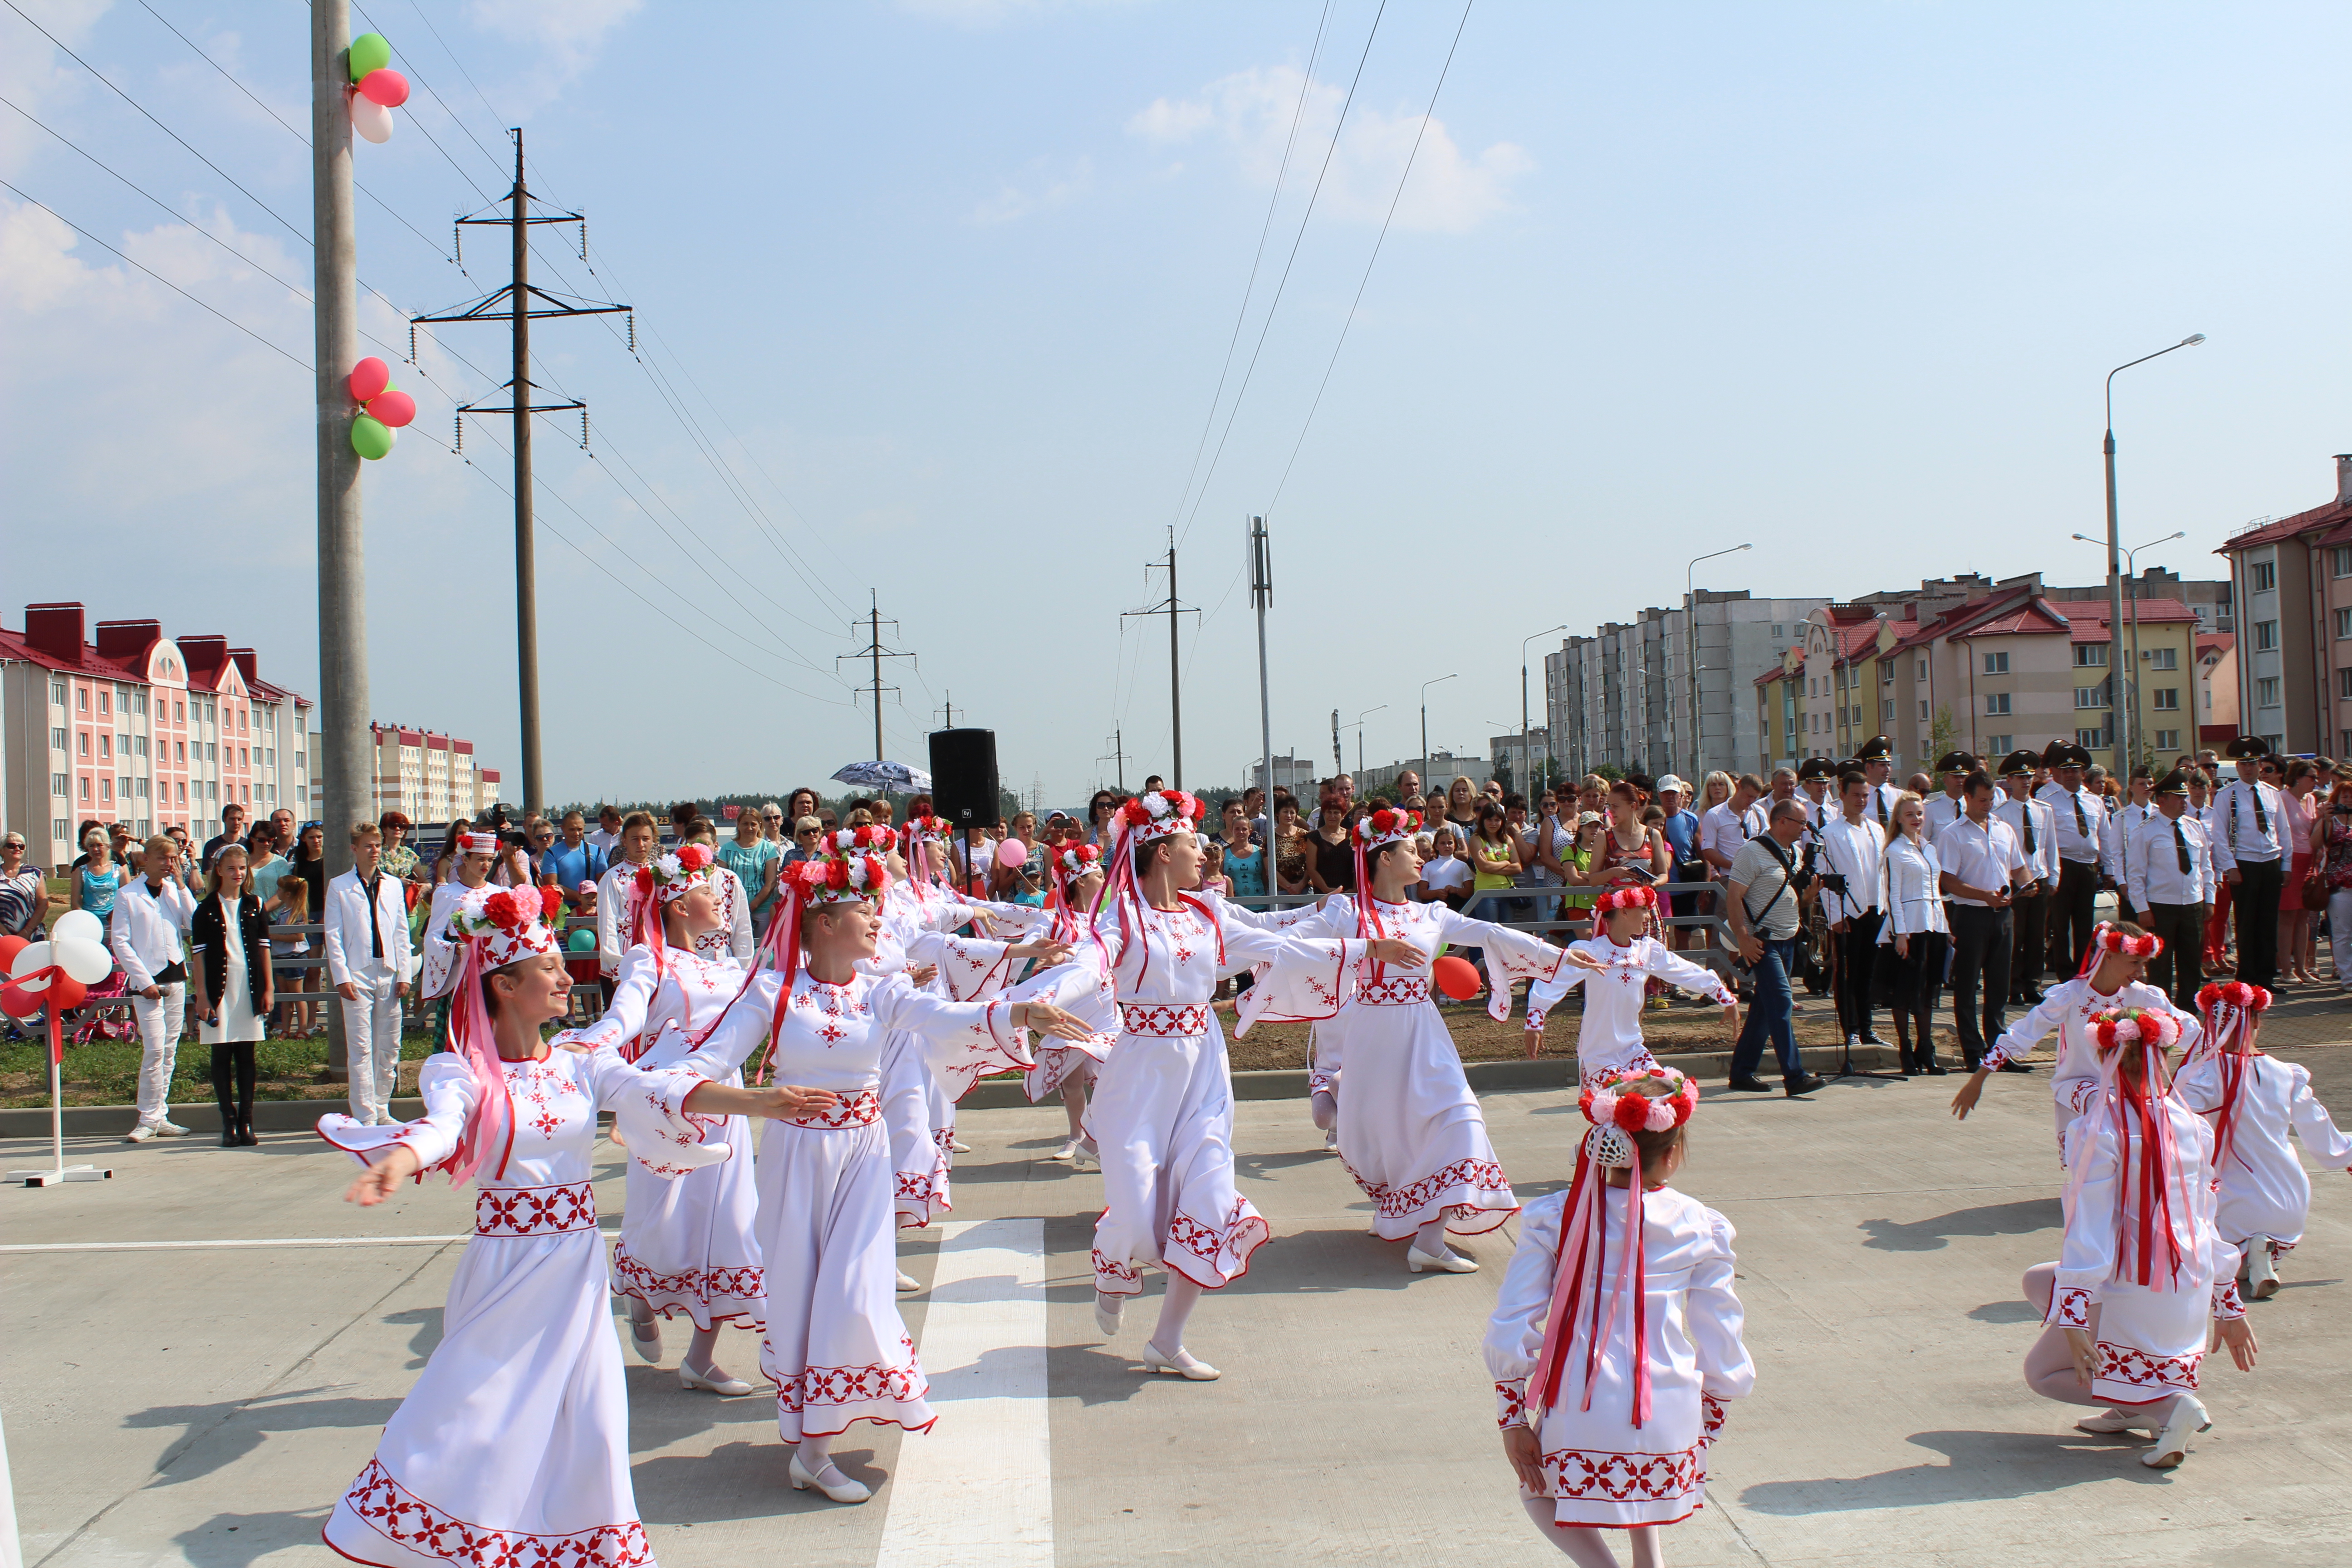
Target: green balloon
x,y
369,52
370,437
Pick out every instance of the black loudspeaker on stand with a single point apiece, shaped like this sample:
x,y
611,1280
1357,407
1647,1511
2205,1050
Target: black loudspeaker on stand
x,y
963,776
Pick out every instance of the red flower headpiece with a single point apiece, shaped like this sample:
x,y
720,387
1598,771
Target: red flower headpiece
x,y
1159,814
1077,860
1641,896
509,924
1386,825
2107,938
2235,994
2134,1026
928,829
1649,1101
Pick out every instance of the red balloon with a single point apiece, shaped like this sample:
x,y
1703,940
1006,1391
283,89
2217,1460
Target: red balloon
x,y
385,86
19,1003
64,990
368,379
394,408
10,946
1455,976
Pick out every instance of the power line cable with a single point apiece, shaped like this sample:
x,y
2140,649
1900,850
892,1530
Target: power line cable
x,y
1296,240
1426,116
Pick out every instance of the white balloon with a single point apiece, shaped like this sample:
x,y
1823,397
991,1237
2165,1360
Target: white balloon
x,y
370,119
84,960
77,923
31,956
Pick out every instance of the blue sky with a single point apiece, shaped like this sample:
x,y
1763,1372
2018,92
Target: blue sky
x,y
947,287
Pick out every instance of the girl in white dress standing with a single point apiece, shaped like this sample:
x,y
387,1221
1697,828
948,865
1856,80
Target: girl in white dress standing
x,y
1163,1109
1614,966
228,958
1410,1129
1611,1362
2255,1101
513,1446
835,1346
2145,1280
1068,1067
689,1244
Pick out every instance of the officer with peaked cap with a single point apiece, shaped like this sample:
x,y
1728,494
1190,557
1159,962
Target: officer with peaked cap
x,y
2171,861
1878,758
2250,851
2081,818
2037,835
1943,809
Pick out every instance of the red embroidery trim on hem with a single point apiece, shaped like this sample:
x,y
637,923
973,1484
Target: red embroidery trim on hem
x,y
1481,1176
689,1288
1625,1477
400,1515
2131,1366
877,1383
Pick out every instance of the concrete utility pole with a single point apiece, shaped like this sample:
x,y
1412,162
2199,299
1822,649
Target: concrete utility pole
x,y
1171,609
1262,597
346,759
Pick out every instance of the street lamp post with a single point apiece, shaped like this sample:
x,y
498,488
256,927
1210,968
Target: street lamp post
x,y
2114,541
1690,627
1359,734
1424,716
2128,693
1523,692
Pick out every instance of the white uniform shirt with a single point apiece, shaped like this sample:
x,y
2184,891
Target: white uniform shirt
x,y
2242,832
2079,815
1942,810
1879,806
1910,876
2156,847
1723,830
2116,839
1981,857
1853,849
2040,841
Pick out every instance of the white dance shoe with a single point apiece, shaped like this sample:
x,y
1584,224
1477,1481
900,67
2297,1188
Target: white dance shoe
x,y
1184,1364
907,1282
841,1489
1068,1150
645,1339
1107,1319
1446,1262
2187,1416
2262,1269
958,1146
2110,1422
715,1380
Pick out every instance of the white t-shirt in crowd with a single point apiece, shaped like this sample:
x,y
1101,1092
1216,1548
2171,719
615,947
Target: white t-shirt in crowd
x,y
1444,872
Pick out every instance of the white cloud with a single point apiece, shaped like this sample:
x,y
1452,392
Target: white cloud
x,y
998,13
1038,191
570,33
1251,112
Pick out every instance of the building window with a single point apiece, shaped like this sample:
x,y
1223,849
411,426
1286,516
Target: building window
x,y
81,699
58,742
180,713
1779,633
1996,664
2090,739
2266,692
1886,709
58,786
2164,659
58,828
2090,696
1887,673
2344,681
106,748
138,745
2165,699
2343,623
2265,636
2265,576
1922,711
2090,656
139,788
1923,668
2168,740
82,744
212,751
1996,702
184,791
139,702
2003,743
58,692
85,789
181,747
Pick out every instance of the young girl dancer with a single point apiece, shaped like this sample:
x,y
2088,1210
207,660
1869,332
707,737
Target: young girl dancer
x,y
1410,1131
513,1444
2113,976
1606,1426
2145,1277
690,1245
1619,961
1069,1066
836,1347
2255,1101
1163,1109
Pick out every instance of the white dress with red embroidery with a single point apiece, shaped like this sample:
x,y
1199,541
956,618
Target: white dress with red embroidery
x,y
2069,1008
690,1243
513,1446
2150,1338
2264,1189
735,939
1162,1112
1410,1131
1600,1470
1609,1040
835,1346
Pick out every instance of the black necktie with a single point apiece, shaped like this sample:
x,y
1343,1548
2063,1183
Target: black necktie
x,y
375,921
2081,823
1882,806
2180,843
2262,821
2025,814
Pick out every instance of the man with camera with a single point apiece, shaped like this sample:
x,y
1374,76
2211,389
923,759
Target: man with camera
x,y
1763,889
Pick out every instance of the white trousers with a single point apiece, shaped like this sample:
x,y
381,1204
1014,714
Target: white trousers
x,y
2339,933
372,1040
159,1019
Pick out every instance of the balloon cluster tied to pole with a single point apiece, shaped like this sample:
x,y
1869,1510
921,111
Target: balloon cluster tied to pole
x,y
376,88
383,408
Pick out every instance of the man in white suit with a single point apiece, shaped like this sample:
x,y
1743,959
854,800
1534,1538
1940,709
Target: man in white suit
x,y
369,960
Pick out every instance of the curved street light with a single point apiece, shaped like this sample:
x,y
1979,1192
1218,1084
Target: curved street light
x,y
1424,715
1690,626
1359,734
2114,541
1523,697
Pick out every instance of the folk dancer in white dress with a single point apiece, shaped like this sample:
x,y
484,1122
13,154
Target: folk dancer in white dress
x,y
1163,1108
2256,1101
734,936
689,1244
2115,975
1068,1067
1618,962
2145,1280
1410,1132
1611,1362
835,1346
444,951
513,1446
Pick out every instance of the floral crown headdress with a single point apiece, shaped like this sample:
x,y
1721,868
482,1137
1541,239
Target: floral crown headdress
x,y
2105,938
1386,825
1159,814
1641,896
928,829
2230,1010
1142,819
1619,1106
669,877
